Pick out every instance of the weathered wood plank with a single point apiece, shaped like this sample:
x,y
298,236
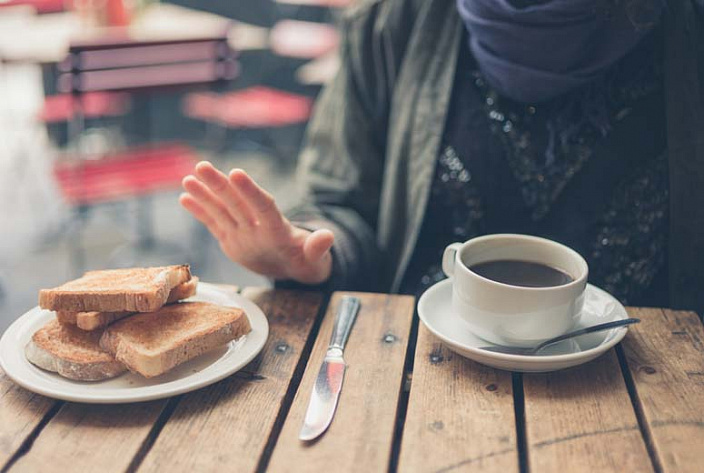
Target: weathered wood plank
x,y
460,414
91,437
20,412
361,435
227,426
582,420
665,355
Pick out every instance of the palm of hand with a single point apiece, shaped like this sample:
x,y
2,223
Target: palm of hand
x,y
275,251
252,231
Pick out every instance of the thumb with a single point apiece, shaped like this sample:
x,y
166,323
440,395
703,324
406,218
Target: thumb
x,y
317,244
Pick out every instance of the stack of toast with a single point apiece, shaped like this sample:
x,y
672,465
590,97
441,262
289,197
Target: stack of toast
x,y
108,322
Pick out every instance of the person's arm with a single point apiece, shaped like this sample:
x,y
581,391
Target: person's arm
x,y
341,171
342,164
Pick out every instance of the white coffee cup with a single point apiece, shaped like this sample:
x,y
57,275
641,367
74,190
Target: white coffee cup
x,y
515,315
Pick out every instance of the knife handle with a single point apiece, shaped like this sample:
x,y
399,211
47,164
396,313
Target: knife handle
x,y
346,315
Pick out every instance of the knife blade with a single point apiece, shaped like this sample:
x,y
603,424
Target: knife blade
x,y
328,383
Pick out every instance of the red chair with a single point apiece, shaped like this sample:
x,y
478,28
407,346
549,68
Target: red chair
x,y
121,175
257,108
62,107
122,65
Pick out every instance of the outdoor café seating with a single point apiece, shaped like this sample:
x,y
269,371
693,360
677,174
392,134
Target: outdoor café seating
x,y
351,236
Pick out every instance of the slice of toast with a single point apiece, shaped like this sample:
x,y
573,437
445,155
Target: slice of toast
x,y
153,343
72,353
116,290
94,320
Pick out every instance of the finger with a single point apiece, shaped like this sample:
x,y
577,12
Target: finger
x,y
318,244
190,204
220,185
211,203
259,200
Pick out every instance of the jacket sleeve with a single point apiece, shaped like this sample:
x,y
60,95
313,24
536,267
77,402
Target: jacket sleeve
x,y
342,163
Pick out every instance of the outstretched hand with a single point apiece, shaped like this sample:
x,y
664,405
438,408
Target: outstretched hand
x,y
251,229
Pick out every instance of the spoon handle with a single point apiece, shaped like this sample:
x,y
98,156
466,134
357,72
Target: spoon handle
x,y
592,329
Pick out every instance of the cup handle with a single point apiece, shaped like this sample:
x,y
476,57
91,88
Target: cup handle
x,y
448,259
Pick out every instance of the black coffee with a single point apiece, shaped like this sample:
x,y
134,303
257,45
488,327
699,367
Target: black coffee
x,y
522,273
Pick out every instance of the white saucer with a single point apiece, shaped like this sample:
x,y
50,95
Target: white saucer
x,y
435,310
129,387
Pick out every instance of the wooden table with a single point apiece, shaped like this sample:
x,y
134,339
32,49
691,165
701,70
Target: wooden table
x,y
639,408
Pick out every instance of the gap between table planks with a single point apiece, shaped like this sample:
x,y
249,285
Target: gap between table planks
x,y
460,414
21,415
228,425
361,435
582,418
639,412
83,438
663,357
644,414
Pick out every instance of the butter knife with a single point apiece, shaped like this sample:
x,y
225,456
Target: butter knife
x,y
328,384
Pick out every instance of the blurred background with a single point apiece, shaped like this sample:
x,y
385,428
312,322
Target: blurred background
x,y
106,104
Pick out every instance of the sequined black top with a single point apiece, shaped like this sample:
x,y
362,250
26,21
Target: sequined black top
x,y
587,169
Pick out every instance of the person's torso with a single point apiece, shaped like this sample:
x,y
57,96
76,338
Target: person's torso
x,y
588,169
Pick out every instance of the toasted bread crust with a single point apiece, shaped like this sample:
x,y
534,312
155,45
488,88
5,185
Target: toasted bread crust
x,y
67,318
94,320
117,290
72,353
97,320
154,343
183,290
89,320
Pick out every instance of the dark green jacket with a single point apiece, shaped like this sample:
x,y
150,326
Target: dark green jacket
x,y
372,144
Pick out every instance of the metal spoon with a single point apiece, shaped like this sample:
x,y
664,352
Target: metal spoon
x,y
534,350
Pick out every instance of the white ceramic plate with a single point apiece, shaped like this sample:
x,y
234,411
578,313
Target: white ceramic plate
x,y
202,371
435,311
